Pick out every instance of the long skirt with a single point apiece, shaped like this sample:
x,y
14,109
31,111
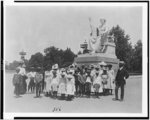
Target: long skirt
x,y
48,85
70,89
23,85
62,88
54,87
17,88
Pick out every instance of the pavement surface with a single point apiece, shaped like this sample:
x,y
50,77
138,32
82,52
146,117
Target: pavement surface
x,y
28,102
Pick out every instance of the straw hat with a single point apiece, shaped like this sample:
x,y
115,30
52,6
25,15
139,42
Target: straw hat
x,y
62,70
102,63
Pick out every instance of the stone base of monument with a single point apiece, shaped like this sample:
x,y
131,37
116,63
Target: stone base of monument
x,y
96,58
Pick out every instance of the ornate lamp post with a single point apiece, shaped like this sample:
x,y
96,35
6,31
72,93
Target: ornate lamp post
x,y
22,54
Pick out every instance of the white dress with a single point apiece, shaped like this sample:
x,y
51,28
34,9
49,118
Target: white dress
x,y
70,87
97,80
62,85
54,84
22,71
48,79
111,79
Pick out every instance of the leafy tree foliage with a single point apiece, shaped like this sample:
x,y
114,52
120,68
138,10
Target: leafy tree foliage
x,y
36,60
125,51
13,65
136,62
54,55
123,47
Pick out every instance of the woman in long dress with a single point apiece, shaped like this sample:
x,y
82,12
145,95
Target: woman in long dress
x,y
23,84
16,82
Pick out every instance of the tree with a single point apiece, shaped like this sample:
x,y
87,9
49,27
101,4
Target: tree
x,y
36,60
68,57
124,49
137,57
54,55
13,65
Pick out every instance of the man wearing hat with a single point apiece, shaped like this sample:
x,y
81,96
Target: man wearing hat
x,y
120,81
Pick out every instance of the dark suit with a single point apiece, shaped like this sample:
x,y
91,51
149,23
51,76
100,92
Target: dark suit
x,y
120,82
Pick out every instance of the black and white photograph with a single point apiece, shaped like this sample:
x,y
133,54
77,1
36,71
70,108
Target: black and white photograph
x,y
75,59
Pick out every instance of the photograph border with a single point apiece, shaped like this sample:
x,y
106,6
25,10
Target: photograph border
x,y
2,59
3,62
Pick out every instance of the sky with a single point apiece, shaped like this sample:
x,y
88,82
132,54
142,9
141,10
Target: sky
x,y
34,28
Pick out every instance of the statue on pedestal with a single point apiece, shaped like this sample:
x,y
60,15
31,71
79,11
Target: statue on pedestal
x,y
100,46
98,37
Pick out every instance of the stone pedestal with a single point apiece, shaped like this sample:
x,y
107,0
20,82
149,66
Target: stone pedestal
x,y
96,58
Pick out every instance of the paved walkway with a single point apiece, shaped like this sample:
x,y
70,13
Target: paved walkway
x,y
27,103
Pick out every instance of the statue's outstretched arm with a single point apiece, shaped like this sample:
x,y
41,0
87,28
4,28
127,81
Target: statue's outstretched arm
x,y
91,26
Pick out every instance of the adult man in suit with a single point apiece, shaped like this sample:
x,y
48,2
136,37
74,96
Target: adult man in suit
x,y
120,81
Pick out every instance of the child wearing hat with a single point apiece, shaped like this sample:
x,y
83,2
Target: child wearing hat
x,y
105,77
97,83
88,83
62,85
70,87
54,84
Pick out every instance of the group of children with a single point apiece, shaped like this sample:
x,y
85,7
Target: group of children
x,y
74,81
80,81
